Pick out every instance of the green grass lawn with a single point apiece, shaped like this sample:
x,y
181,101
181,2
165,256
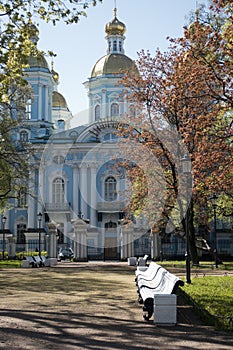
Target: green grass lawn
x,y
10,263
202,265
213,296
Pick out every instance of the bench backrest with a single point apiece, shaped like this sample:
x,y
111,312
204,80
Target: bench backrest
x,y
157,281
37,258
148,274
30,259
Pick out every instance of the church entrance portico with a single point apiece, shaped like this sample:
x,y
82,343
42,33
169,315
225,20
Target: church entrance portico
x,y
111,241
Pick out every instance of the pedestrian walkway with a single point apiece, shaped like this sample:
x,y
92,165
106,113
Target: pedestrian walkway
x,y
91,306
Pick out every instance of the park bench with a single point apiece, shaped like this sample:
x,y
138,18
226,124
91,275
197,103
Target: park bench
x,y
143,261
156,280
29,261
34,261
40,260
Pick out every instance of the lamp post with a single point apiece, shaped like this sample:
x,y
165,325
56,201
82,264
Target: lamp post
x,y
39,221
3,236
213,200
186,168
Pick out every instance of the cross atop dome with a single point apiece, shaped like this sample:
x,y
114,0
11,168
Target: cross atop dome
x,y
115,31
115,9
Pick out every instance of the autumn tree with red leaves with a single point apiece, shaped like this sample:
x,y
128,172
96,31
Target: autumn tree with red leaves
x,y
187,90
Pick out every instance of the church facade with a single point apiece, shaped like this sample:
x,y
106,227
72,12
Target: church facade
x,y
76,195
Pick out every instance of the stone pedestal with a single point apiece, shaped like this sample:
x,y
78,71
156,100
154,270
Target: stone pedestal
x,y
127,241
52,240
80,239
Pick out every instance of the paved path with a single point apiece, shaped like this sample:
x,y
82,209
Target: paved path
x,y
104,326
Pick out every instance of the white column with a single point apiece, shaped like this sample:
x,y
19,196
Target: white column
x,y
84,190
40,189
93,219
46,103
104,105
39,101
75,190
91,110
7,224
127,241
31,200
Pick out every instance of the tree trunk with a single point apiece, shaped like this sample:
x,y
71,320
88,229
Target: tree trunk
x,y
191,234
192,243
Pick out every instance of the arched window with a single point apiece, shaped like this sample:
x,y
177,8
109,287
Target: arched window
x,y
58,159
110,224
114,45
21,228
110,137
120,46
110,193
28,109
114,110
23,136
97,112
22,198
58,191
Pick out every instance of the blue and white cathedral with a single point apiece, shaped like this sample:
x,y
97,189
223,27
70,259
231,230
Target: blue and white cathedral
x,y
76,195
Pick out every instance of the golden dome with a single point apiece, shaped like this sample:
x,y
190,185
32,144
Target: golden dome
x,y
55,76
115,27
37,62
54,73
113,64
59,100
33,31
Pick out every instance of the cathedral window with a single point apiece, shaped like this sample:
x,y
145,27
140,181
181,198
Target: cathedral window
x,y
23,136
110,224
22,198
21,228
28,109
114,110
58,192
114,45
120,46
110,137
97,112
110,193
58,159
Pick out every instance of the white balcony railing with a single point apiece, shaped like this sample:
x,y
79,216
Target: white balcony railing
x,y
63,207
110,206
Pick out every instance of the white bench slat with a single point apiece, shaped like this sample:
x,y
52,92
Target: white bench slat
x,y
155,280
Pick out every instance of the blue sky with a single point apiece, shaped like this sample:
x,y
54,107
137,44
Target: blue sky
x,y
79,46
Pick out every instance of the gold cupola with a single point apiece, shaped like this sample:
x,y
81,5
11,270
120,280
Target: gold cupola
x,y
54,74
115,62
115,27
